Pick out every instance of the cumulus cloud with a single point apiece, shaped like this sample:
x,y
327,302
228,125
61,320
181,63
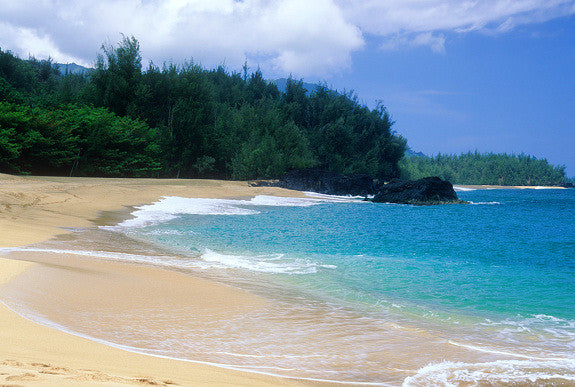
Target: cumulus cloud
x,y
29,42
298,36
303,37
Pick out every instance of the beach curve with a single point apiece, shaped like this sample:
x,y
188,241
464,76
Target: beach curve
x,y
34,209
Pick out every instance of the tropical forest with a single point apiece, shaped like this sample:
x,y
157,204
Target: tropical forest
x,y
185,121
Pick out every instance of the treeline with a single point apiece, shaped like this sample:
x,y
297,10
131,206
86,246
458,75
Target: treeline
x,y
181,121
484,168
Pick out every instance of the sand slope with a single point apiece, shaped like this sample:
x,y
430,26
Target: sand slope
x,y
33,209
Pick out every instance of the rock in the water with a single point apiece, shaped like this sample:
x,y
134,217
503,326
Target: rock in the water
x,y
426,191
327,182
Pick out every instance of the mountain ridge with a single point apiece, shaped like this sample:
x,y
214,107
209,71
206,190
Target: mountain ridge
x,y
72,68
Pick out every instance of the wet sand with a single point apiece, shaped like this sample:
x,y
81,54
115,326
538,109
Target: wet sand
x,y
34,209
205,315
118,294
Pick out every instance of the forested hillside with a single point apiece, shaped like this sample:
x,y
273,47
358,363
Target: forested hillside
x,y
484,168
186,121
181,121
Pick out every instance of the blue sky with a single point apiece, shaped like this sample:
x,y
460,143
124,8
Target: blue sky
x,y
514,92
456,75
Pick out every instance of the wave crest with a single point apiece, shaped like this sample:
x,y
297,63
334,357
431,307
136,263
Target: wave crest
x,y
170,207
275,264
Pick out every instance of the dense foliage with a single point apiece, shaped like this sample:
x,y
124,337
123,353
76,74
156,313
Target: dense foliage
x,y
484,168
181,121
187,121
75,140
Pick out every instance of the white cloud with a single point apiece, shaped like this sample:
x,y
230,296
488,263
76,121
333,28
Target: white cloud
x,y
388,17
29,43
426,39
298,36
303,37
409,23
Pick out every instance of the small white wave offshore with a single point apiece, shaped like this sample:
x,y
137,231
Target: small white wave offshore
x,y
170,207
336,198
462,189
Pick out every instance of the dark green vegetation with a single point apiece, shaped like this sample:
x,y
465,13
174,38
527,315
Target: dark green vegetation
x,y
181,122
484,168
187,121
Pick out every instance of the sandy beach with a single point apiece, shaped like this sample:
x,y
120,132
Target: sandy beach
x,y
40,212
35,209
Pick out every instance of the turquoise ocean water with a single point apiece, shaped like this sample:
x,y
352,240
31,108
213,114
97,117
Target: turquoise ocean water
x,y
380,293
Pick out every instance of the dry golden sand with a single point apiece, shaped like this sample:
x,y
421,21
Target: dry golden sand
x,y
33,209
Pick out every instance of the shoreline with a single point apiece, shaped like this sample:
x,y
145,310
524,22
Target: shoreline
x,y
98,310
35,209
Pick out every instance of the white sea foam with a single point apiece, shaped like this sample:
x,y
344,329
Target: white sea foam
x,y
274,371
209,259
277,201
170,207
484,203
162,260
463,189
506,353
335,198
496,373
276,264
558,327
165,232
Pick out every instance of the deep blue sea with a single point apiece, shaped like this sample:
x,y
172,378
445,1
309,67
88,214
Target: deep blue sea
x,y
383,293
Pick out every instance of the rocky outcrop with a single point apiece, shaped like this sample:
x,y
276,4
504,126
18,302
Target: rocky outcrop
x,y
327,182
426,191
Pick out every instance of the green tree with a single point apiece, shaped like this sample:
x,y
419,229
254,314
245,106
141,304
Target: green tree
x,y
485,168
117,76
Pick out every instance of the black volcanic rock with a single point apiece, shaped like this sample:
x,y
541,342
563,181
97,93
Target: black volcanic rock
x,y
426,191
327,182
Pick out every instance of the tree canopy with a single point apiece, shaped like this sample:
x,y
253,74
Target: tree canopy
x,y
187,121
485,168
181,121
